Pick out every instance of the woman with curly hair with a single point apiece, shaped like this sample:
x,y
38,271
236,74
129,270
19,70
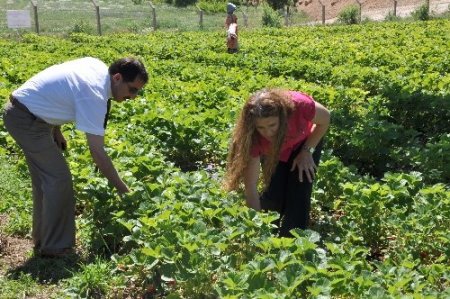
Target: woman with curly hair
x,y
281,130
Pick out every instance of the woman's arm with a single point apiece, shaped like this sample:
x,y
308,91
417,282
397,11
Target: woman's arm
x,y
322,122
304,160
251,177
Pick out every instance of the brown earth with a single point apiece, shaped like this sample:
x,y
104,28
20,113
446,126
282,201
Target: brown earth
x,y
371,9
13,251
16,259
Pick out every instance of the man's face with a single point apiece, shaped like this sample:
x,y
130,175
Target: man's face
x,y
122,91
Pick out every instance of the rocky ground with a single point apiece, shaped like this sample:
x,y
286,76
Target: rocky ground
x,y
371,9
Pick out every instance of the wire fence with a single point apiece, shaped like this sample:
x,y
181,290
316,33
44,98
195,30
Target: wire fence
x,y
89,16
131,18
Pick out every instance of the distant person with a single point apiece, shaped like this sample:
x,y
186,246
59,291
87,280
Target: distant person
x,y
75,91
283,131
232,29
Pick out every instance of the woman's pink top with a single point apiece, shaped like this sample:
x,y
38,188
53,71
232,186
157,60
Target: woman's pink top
x,y
299,128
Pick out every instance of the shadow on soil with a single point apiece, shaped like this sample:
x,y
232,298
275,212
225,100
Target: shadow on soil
x,y
47,270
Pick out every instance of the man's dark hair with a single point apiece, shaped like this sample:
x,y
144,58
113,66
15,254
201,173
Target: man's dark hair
x,y
130,68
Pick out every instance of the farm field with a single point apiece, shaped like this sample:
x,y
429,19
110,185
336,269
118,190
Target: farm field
x,y
381,204
65,17
71,16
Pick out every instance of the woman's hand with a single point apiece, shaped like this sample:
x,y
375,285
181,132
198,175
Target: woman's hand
x,y
305,164
304,160
253,202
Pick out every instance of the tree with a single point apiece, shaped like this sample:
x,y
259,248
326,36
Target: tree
x,y
277,4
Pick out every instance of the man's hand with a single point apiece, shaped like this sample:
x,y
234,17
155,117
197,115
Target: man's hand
x,y
123,188
59,139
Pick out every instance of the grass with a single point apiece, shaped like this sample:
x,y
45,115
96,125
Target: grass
x,y
15,188
63,17
17,288
92,281
21,274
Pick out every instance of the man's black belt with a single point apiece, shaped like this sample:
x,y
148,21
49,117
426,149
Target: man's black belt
x,y
20,106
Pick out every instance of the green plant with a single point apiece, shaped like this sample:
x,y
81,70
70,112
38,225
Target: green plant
x,y
212,6
15,187
392,18
422,13
93,280
277,4
271,18
24,285
82,27
349,15
177,234
183,3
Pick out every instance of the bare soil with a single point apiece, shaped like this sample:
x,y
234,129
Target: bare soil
x,y
370,9
16,258
13,250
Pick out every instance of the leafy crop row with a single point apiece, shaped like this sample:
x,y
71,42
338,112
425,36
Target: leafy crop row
x,y
381,203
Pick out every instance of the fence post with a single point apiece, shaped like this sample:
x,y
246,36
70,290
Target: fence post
x,y
245,19
427,3
245,15
200,11
286,16
360,9
97,12
153,15
395,8
323,12
36,18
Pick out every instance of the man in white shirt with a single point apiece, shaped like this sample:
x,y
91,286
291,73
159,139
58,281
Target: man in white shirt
x,y
75,91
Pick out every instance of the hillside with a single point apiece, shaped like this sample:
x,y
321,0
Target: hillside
x,y
372,9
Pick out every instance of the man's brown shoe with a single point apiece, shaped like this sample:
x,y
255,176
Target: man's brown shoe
x,y
56,253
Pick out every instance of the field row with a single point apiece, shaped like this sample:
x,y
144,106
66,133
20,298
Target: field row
x,y
381,202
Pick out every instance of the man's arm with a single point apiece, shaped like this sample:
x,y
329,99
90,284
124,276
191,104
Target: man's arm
x,y
104,163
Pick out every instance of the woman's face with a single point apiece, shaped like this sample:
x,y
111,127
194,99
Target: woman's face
x,y
267,126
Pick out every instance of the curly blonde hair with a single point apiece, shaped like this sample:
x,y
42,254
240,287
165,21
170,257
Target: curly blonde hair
x,y
263,103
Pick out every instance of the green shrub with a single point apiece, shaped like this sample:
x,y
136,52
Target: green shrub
x,y
434,159
82,27
183,3
212,6
271,18
349,15
421,14
392,18
277,4
93,281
